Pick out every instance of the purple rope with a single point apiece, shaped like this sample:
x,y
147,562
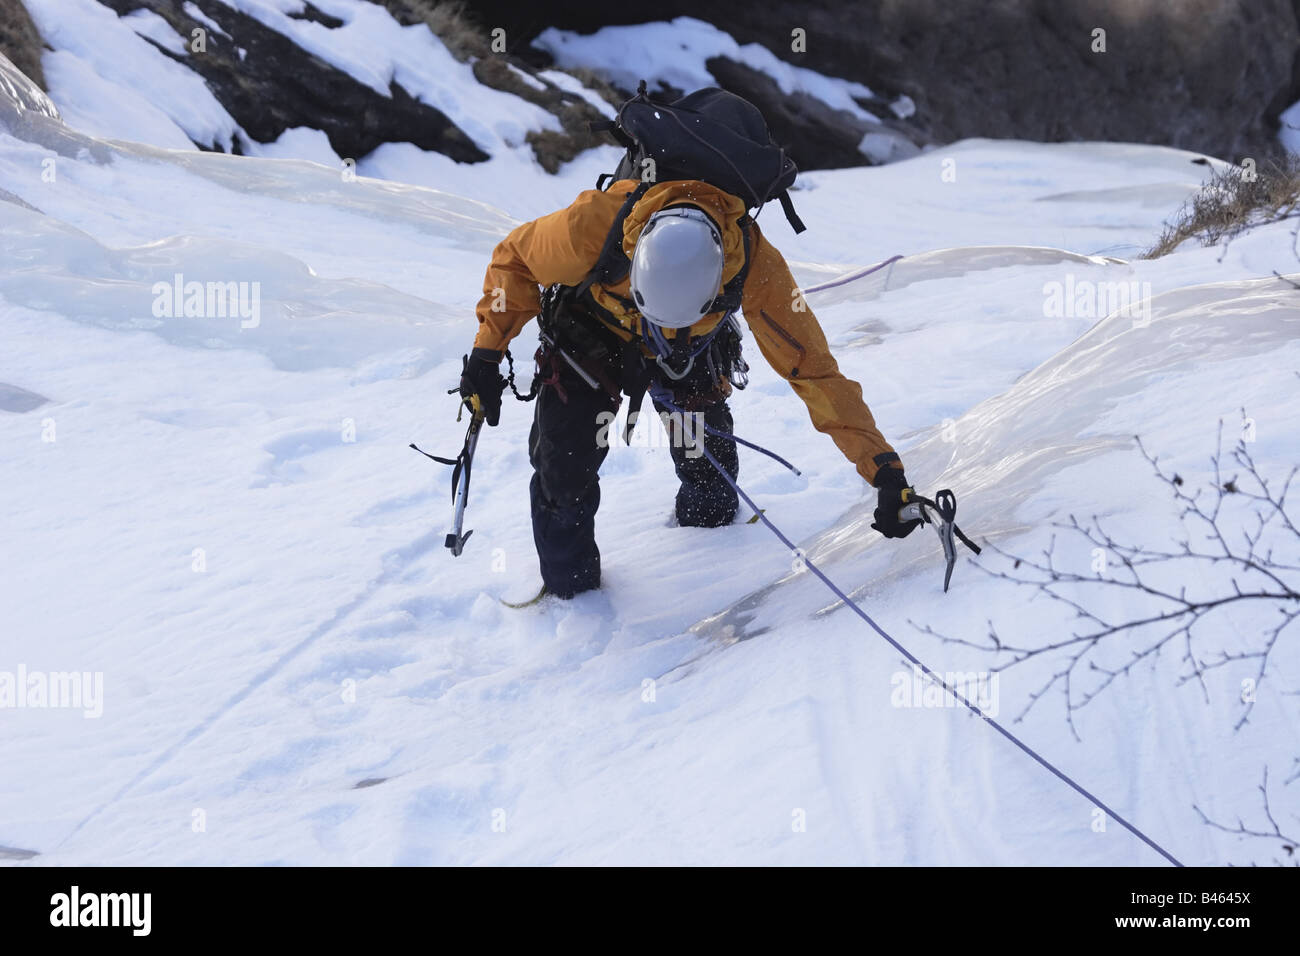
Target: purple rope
x,y
851,277
918,663
660,395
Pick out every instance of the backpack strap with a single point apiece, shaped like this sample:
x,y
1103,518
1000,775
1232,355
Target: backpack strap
x,y
612,263
611,127
787,207
729,300
615,129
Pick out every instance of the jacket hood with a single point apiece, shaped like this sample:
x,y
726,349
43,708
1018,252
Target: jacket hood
x,y
723,208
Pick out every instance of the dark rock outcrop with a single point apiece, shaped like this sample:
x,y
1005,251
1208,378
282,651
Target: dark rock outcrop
x,y
269,84
275,85
816,136
1205,75
1209,76
20,41
316,15
505,70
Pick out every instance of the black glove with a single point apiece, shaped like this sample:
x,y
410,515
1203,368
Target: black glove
x,y
480,376
890,482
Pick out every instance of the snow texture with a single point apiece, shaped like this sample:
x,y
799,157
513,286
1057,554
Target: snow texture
x,y
224,522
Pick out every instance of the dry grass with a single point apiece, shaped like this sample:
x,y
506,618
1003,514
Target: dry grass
x,y
449,20
1232,201
598,85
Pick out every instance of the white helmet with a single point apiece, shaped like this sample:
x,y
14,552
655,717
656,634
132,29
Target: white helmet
x,y
677,267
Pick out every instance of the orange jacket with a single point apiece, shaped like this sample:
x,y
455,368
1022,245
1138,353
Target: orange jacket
x,y
564,246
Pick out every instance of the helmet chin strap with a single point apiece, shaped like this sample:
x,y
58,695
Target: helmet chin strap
x,y
654,337
681,344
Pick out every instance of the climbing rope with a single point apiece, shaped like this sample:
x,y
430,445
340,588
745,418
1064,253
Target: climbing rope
x,y
917,662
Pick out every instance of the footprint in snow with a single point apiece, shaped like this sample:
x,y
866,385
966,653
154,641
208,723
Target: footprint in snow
x,y
19,400
287,451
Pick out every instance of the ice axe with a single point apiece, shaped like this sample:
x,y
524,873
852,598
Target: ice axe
x,y
455,541
939,513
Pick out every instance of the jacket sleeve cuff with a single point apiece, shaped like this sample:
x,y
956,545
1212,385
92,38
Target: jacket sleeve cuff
x,y
889,468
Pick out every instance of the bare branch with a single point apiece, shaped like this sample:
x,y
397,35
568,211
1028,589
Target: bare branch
x,y
1246,574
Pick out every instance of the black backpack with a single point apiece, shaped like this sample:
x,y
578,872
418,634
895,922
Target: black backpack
x,y
710,135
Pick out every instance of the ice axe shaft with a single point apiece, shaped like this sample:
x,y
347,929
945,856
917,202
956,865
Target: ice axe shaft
x,y
455,540
461,464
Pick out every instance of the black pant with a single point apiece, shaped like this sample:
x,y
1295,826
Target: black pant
x,y
566,448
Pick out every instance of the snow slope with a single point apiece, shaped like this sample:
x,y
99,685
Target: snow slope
x,y
228,526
